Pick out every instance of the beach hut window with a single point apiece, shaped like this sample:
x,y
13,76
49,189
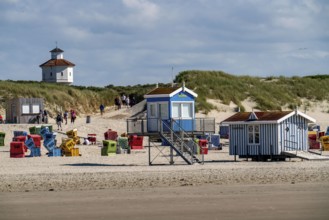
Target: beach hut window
x,y
187,110
35,109
25,109
253,134
163,111
182,110
152,110
176,110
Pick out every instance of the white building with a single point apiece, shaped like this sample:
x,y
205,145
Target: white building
x,y
57,69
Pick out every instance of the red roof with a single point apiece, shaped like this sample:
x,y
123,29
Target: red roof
x,y
57,62
160,91
262,116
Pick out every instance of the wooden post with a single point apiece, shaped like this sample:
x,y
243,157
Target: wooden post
x,y
247,152
182,143
172,138
235,153
150,163
142,128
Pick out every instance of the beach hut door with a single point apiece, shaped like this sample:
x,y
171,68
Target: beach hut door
x,y
162,112
13,113
156,111
292,133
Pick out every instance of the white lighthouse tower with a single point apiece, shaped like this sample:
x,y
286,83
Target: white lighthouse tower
x,y
57,69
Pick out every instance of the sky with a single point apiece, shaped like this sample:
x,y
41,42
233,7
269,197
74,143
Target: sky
x,y
129,42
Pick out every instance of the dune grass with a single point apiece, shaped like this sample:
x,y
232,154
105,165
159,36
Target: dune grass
x,y
270,93
58,97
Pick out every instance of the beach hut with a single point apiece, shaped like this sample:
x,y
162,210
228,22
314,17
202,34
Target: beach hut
x,y
170,118
23,110
264,135
171,103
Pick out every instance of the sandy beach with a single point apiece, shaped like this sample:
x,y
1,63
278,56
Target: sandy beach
x,y
260,201
124,186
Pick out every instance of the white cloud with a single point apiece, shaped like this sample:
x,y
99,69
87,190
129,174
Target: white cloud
x,y
112,42
143,10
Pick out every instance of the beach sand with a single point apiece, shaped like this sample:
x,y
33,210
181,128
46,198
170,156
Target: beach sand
x,y
124,186
260,201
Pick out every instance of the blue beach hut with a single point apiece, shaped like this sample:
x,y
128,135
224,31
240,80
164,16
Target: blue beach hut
x,y
173,105
170,117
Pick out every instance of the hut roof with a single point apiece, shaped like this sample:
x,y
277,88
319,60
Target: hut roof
x,y
264,117
168,92
158,91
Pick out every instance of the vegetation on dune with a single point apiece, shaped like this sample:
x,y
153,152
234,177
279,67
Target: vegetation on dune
x,y
270,93
58,97
138,91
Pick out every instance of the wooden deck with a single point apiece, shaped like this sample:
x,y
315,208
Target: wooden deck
x,y
140,127
306,155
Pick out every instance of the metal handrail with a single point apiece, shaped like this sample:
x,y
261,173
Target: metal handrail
x,y
173,143
180,137
293,148
198,124
184,134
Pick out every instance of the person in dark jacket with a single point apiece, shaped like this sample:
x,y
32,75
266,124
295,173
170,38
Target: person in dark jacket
x,y
59,121
101,108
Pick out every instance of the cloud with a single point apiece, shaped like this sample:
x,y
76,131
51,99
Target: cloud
x,y
139,41
144,8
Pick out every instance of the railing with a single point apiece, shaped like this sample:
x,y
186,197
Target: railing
x,y
287,146
144,126
205,125
136,126
178,140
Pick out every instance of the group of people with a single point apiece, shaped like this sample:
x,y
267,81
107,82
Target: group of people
x,y
63,118
124,101
118,101
43,115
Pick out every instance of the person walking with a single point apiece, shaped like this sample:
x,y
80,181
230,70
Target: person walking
x,y
38,118
127,102
59,121
116,103
123,99
73,116
45,115
132,101
42,116
101,108
66,114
